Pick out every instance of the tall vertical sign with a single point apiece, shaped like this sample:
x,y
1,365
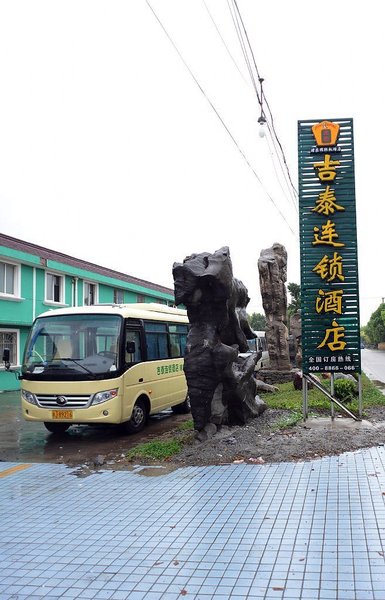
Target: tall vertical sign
x,y
328,240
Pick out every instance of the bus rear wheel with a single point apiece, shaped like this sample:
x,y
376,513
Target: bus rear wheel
x,y
56,427
138,417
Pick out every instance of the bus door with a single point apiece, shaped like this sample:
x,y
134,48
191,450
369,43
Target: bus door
x,y
133,359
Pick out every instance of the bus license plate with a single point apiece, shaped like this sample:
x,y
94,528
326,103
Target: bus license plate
x,y
62,414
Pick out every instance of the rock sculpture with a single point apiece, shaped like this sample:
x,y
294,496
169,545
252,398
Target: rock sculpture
x,y
220,383
296,334
272,266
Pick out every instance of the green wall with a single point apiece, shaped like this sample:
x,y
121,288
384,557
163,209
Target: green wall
x,y
18,313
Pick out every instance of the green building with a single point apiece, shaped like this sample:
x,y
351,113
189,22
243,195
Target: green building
x,y
34,279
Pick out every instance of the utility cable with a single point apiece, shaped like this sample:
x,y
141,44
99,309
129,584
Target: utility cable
x,y
224,43
272,152
244,51
260,100
219,116
239,27
235,19
292,193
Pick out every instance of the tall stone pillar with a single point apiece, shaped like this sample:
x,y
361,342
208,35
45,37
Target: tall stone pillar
x,y
272,266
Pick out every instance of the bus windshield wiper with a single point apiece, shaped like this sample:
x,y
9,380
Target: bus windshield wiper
x,y
80,365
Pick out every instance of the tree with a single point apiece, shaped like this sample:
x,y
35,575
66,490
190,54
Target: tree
x,y
375,329
257,321
295,304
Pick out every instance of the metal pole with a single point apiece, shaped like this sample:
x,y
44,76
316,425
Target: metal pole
x,y
322,389
304,397
332,413
360,396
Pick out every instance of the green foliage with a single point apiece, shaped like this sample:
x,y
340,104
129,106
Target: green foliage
x,y
295,304
288,398
345,390
289,421
186,425
257,321
375,329
158,450
364,335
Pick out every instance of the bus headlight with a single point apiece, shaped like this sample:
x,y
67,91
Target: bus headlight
x,y
104,396
28,397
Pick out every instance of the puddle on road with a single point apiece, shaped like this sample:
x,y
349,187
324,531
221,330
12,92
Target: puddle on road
x,y
146,471
26,441
154,471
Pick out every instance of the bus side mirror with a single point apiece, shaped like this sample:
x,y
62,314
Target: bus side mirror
x,y
6,358
130,347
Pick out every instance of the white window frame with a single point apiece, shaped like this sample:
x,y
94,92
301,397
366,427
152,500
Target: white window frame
x,y
47,300
120,291
17,363
96,296
16,281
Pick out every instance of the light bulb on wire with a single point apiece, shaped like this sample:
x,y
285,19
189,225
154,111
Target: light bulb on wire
x,y
262,119
262,126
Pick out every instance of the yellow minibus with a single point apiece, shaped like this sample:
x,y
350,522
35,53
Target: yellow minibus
x,y
104,364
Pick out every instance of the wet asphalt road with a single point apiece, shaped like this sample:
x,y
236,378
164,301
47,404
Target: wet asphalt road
x,y
30,442
373,364
25,441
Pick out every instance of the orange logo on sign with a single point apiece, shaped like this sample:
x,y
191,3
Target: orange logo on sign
x,y
326,133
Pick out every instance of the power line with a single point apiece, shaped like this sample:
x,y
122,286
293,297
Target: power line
x,y
239,27
276,172
244,50
224,43
263,96
235,20
218,115
293,194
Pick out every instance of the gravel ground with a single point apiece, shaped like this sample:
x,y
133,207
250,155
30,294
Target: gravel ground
x,y
261,441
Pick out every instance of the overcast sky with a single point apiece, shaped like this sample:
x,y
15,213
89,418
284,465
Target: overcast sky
x,y
110,152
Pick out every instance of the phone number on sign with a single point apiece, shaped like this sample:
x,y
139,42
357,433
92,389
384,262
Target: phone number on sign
x,y
323,368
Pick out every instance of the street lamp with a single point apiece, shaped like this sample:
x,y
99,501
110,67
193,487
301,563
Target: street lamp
x,y
262,118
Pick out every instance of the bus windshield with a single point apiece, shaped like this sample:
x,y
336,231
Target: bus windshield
x,y
67,346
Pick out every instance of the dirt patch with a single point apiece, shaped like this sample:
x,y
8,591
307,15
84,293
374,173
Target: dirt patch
x,y
263,440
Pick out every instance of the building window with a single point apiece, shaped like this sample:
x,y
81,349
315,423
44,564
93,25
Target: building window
x,y
90,293
54,288
140,298
9,279
118,296
8,339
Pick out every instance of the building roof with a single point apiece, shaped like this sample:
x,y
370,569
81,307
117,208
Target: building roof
x,y
46,253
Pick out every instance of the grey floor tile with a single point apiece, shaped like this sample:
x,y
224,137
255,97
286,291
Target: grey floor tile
x,y
314,529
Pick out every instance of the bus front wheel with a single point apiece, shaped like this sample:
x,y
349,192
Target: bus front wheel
x,y
56,427
138,417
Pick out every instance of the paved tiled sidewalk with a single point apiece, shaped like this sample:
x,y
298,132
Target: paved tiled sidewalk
x,y
311,531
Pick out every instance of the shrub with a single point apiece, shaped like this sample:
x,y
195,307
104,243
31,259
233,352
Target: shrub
x,y
345,390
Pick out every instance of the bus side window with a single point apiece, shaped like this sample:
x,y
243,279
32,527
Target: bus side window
x,y
177,340
156,340
133,336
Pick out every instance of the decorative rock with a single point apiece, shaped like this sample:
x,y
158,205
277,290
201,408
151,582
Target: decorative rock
x,y
275,376
265,387
221,385
272,266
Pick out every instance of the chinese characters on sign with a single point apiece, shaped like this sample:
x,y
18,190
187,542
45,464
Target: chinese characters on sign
x,y
329,272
